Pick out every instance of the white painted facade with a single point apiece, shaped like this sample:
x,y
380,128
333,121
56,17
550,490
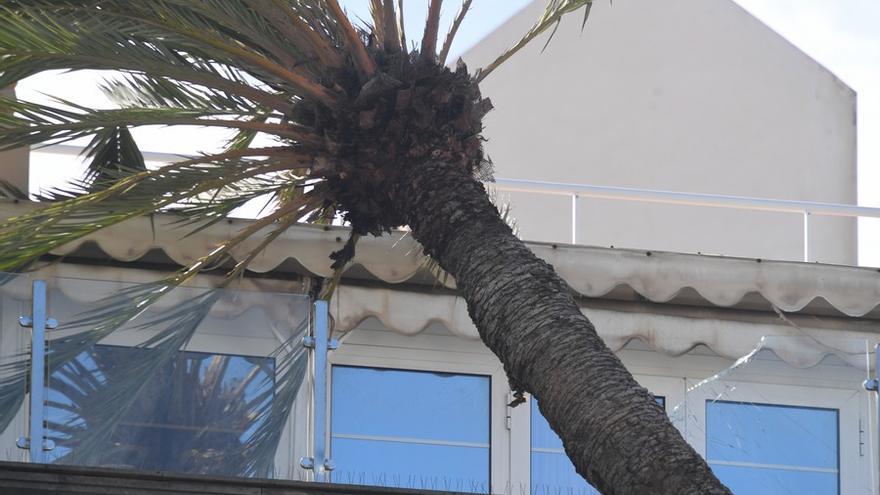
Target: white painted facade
x,y
687,95
14,163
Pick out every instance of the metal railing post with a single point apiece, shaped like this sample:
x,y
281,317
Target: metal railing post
x,y
873,385
36,442
806,235
320,343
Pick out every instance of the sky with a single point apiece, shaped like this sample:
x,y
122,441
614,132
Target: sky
x,y
842,35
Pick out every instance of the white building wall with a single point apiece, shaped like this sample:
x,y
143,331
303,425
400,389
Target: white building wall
x,y
686,95
14,163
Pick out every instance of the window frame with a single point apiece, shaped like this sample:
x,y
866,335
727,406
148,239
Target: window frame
x,y
374,347
385,368
855,471
671,388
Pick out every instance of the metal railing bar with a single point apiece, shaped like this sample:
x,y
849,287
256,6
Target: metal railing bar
x,y
604,192
781,467
685,198
74,150
420,441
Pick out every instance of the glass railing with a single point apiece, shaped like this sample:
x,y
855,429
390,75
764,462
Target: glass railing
x,y
15,341
140,376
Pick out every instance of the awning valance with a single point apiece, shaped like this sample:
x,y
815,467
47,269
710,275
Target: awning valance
x,y
591,271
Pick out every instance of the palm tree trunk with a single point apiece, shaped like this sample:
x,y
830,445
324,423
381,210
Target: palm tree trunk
x,y
618,438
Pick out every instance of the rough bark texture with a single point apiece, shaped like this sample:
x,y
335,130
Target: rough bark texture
x,y
618,438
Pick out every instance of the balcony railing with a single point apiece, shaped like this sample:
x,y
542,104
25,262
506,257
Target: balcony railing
x,y
187,380
575,192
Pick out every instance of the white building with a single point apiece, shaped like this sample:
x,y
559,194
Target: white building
x,y
760,363
690,95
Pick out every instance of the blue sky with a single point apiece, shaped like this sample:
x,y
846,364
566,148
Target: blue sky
x,y
842,35
482,18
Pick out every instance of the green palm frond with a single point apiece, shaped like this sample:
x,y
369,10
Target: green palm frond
x,y
306,26
25,238
123,307
174,329
114,155
13,381
243,138
226,32
291,364
144,90
553,14
35,38
33,123
249,412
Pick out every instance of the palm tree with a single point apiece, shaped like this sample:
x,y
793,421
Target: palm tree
x,y
202,425
362,129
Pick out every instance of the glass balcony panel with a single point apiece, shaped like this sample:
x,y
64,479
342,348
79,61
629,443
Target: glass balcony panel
x,y
15,344
200,381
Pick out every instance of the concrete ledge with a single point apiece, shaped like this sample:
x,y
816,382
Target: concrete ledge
x,y
45,479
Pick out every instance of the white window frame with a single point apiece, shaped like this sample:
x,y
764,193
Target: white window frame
x,y
672,389
855,470
369,348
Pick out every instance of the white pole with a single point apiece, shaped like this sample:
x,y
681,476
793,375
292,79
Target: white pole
x,y
806,236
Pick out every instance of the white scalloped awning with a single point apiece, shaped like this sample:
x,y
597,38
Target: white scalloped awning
x,y
591,271
618,274
670,334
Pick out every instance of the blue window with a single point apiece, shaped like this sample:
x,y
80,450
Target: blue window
x,y
196,414
766,448
410,429
552,472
